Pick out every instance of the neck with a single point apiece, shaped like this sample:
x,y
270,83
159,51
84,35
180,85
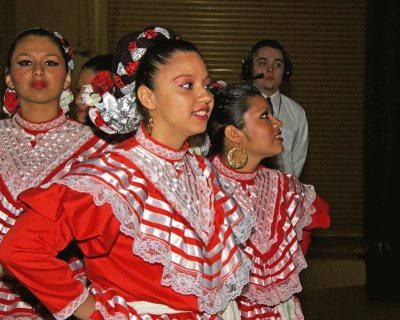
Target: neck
x,y
39,113
172,142
250,166
266,92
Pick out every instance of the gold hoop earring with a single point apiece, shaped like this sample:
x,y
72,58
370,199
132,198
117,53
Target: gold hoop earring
x,y
150,124
232,163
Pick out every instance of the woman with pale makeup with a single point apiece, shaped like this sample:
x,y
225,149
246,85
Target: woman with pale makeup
x,y
161,239
38,142
88,71
243,131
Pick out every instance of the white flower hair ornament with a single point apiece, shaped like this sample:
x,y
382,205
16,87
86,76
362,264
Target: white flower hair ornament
x,y
68,50
114,115
109,113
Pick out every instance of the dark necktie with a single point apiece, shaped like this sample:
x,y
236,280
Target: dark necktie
x,y
270,103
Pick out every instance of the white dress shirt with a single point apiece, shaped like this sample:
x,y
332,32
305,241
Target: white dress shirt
x,y
294,133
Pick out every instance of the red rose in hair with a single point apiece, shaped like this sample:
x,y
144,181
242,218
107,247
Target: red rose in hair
x,y
118,81
150,34
132,46
10,101
218,85
102,83
131,67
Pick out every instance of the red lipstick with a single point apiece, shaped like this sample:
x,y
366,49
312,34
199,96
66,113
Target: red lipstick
x,y
39,84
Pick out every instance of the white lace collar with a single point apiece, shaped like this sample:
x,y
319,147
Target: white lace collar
x,y
40,126
231,173
159,149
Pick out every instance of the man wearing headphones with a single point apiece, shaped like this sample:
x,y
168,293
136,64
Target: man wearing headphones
x,y
266,66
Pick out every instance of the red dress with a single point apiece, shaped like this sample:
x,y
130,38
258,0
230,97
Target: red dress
x,y
154,226
31,154
283,208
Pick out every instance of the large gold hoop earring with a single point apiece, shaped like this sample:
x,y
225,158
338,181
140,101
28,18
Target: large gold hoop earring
x,y
232,163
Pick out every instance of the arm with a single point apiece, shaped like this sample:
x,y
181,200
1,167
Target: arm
x,y
320,220
306,209
85,310
29,251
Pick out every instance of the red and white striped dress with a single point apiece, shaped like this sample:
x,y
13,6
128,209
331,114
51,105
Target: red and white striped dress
x,y
283,208
31,154
154,227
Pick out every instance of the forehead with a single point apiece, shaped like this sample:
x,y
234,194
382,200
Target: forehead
x,y
86,76
268,52
185,62
34,43
257,103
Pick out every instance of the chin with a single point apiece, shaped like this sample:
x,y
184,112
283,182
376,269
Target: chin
x,y
198,130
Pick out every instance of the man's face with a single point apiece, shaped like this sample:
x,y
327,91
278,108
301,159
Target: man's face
x,y
268,61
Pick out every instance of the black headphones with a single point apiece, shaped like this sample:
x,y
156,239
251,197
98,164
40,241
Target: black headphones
x,y
247,62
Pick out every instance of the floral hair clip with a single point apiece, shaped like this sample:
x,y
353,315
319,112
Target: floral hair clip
x,y
100,84
68,50
120,115
137,52
217,86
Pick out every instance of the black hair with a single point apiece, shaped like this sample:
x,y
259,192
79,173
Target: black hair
x,y
99,63
40,32
230,104
247,63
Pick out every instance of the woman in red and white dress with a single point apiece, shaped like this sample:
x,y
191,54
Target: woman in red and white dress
x,y
38,142
160,237
243,131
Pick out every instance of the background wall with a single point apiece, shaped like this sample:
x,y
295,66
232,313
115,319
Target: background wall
x,y
326,41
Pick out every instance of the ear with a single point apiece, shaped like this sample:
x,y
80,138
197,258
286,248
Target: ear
x,y
67,80
233,134
9,81
146,97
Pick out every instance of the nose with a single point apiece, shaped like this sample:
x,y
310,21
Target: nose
x,y
276,122
38,70
206,95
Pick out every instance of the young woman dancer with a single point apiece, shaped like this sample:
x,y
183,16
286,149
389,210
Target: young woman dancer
x,y
242,132
38,142
160,237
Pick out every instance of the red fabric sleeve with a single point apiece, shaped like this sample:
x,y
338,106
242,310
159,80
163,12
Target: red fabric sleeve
x,y
320,220
56,216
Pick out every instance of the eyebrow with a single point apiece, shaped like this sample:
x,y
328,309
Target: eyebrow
x,y
207,78
264,107
265,59
28,54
